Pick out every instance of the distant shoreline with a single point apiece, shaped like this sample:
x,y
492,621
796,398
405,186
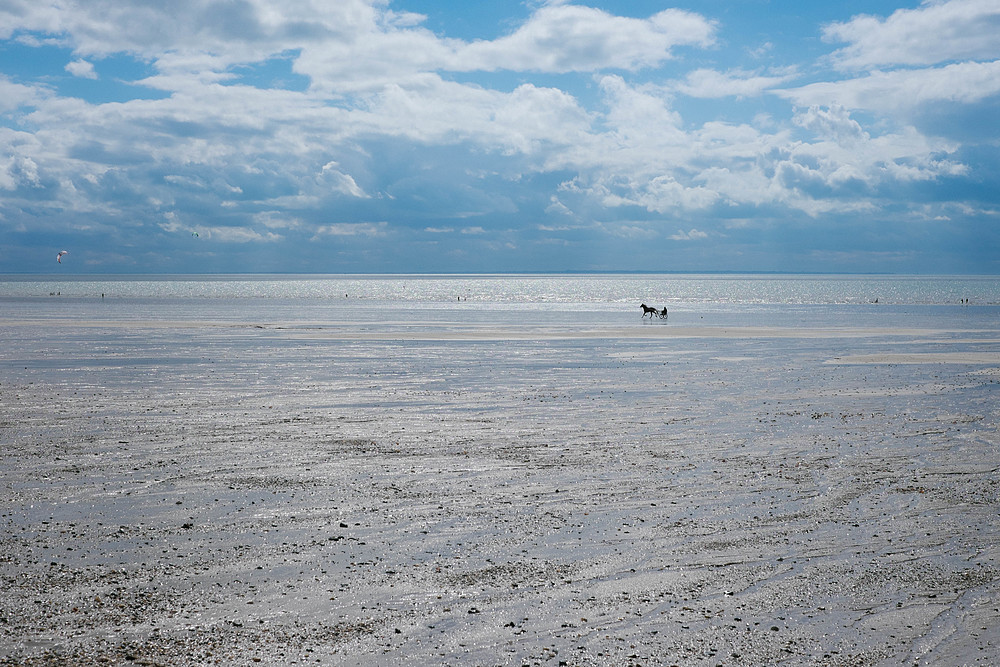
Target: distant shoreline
x,y
45,275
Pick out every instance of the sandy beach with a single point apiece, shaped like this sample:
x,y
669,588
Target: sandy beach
x,y
180,493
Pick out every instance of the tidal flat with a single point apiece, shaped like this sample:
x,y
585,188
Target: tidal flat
x,y
220,492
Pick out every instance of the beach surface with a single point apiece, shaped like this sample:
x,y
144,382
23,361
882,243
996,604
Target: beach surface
x,y
217,492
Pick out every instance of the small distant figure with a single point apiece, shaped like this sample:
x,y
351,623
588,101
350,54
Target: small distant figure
x,y
651,311
59,256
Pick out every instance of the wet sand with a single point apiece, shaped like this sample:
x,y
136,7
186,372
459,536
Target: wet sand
x,y
198,493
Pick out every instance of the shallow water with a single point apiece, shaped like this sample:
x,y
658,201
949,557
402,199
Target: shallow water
x,y
565,302
664,289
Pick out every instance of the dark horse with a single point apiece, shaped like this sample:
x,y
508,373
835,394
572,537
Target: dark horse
x,y
649,310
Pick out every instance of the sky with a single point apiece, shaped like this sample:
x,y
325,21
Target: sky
x,y
448,136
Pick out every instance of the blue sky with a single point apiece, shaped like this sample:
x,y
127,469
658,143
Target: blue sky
x,y
377,136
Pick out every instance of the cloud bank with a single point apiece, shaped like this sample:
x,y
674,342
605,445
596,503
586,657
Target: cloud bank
x,y
287,132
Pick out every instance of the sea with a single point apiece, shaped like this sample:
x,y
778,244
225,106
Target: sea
x,y
395,303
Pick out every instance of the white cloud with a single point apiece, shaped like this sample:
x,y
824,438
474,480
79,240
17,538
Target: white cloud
x,y
572,38
519,121
633,110
377,86
645,158
752,183
340,182
239,235
18,170
630,230
244,32
936,32
558,228
557,207
706,83
277,220
531,116
762,50
17,166
834,123
369,59
690,235
556,38
219,233
662,194
16,95
185,182
370,229
890,92
82,69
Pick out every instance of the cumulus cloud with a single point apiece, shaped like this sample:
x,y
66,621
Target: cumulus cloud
x,y
633,109
572,38
18,170
14,96
646,159
556,38
834,123
340,182
82,69
662,194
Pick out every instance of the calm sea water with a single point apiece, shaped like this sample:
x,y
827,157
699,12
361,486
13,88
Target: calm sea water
x,y
566,300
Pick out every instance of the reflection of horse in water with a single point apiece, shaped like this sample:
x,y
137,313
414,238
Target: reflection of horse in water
x,y
649,310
